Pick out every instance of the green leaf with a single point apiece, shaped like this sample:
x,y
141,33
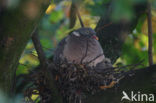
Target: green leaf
x,y
56,16
122,9
22,69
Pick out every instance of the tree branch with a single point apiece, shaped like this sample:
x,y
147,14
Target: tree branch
x,y
38,47
16,26
149,17
74,6
79,16
46,68
143,80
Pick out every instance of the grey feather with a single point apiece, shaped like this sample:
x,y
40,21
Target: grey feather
x,y
80,47
59,51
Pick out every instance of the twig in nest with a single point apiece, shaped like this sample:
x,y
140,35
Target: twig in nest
x,y
106,25
131,65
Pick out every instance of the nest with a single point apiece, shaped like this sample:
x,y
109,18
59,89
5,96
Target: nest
x,y
74,81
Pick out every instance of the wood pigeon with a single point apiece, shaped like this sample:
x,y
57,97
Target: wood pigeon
x,y
81,46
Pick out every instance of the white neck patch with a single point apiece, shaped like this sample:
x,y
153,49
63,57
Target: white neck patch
x,y
76,33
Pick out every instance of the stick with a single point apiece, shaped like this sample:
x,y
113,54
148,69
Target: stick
x,y
78,14
149,17
38,47
81,22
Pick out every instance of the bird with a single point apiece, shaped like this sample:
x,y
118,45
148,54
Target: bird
x,y
81,46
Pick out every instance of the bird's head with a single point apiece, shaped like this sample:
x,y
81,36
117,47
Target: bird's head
x,y
85,32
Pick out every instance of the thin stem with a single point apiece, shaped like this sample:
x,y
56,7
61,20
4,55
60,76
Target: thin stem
x,y
79,16
81,22
149,16
38,47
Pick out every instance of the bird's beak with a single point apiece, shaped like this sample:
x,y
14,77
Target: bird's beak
x,y
95,37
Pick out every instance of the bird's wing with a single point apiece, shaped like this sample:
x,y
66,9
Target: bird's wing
x,y
104,66
58,54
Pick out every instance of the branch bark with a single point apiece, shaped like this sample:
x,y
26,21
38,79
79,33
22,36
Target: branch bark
x,y
16,26
39,49
143,81
149,17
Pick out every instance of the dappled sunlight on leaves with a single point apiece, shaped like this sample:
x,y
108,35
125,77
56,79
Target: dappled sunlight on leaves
x,y
50,8
22,69
28,60
145,28
134,50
